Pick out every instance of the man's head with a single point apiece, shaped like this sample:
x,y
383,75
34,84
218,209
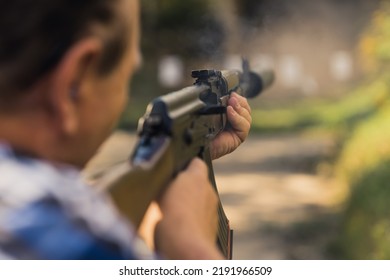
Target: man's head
x,y
64,67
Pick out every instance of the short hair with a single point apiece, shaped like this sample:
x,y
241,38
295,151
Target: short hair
x,y
35,34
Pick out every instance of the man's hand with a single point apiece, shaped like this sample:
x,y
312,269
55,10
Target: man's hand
x,y
188,227
240,119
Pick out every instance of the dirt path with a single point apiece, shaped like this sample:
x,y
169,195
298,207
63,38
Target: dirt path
x,y
278,206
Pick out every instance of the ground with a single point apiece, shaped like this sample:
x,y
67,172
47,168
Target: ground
x,y
278,204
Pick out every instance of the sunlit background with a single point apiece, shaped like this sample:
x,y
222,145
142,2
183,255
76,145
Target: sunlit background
x,y
312,182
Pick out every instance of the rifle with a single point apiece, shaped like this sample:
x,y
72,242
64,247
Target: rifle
x,y
176,128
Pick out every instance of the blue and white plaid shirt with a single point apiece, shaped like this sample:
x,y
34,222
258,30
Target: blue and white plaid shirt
x,y
47,212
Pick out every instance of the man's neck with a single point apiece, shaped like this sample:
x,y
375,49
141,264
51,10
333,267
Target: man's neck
x,y
26,134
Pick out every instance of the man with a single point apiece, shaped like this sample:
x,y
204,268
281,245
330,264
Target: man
x,y
64,71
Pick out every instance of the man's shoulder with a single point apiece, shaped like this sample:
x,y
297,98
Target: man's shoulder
x,y
48,212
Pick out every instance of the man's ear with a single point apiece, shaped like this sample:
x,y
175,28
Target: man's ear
x,y
69,82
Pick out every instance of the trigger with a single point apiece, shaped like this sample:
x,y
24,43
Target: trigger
x,y
213,110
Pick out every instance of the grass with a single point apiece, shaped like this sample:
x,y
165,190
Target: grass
x,y
338,114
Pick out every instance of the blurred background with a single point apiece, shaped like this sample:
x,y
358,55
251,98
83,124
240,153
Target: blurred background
x,y
312,181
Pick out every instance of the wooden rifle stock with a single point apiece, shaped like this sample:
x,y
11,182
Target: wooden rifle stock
x,y
134,188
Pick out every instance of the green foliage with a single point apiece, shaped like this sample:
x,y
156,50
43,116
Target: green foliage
x,y
375,43
365,233
368,146
364,163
